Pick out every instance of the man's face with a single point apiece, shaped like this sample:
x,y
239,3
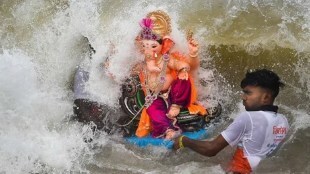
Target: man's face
x,y
254,97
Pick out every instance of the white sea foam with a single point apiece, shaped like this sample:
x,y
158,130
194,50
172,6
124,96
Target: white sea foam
x,y
27,113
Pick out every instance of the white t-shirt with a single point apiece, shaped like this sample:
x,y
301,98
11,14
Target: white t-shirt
x,y
258,132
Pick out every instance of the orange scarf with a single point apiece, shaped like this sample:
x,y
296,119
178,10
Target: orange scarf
x,y
239,163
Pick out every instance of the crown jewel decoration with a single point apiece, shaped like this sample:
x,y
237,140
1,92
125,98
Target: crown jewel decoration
x,y
155,26
147,33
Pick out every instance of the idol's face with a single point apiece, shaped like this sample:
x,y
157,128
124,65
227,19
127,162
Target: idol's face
x,y
151,47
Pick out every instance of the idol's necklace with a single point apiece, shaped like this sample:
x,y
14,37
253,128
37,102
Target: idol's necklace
x,y
152,95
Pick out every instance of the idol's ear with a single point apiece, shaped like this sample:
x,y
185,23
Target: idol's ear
x,y
167,44
139,44
167,37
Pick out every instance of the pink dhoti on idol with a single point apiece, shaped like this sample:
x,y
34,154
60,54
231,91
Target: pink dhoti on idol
x,y
157,111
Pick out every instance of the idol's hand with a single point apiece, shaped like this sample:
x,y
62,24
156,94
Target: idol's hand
x,y
152,68
193,48
174,111
183,75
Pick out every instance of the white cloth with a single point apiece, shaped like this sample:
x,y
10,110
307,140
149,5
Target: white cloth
x,y
80,79
258,132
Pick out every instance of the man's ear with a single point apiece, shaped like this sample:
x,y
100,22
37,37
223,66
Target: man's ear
x,y
267,98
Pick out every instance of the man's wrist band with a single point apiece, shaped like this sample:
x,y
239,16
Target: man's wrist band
x,y
181,142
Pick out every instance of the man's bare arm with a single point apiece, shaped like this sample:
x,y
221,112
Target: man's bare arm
x,y
207,148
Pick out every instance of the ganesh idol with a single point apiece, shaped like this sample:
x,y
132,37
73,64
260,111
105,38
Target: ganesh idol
x,y
166,77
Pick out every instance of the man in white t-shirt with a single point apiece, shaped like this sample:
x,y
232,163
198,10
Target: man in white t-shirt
x,y
257,132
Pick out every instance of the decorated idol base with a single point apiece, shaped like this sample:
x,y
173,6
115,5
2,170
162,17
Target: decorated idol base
x,y
150,141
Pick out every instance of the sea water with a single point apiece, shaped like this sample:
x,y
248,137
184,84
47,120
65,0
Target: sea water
x,y
42,43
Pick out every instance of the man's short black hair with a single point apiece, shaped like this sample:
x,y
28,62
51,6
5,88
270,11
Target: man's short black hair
x,y
263,78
